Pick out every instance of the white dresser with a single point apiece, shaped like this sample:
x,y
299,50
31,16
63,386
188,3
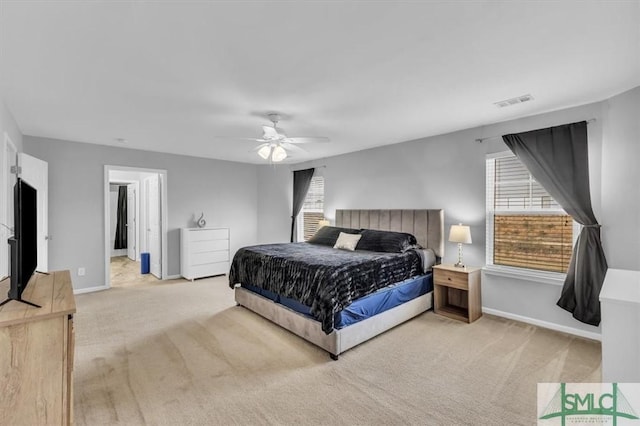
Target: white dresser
x,y
620,309
204,252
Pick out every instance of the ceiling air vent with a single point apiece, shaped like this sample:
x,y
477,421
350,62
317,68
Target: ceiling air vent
x,y
513,101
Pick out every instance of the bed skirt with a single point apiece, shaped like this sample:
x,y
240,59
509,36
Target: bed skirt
x,y
338,341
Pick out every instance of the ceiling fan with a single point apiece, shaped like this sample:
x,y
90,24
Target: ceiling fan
x,y
275,144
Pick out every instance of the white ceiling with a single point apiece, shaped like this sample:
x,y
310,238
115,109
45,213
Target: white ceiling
x,y
179,77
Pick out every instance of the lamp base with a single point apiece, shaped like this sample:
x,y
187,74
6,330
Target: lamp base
x,y
459,264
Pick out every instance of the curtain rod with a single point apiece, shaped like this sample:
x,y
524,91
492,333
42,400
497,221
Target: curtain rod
x,y
480,140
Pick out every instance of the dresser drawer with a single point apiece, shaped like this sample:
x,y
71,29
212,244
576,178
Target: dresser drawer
x,y
208,234
210,245
451,279
207,270
209,257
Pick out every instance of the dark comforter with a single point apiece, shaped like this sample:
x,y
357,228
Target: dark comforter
x,y
323,278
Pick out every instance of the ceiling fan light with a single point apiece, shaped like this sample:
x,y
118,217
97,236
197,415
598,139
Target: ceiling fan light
x,y
265,152
278,154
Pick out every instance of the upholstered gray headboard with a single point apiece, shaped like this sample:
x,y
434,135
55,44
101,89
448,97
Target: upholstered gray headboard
x,y
427,225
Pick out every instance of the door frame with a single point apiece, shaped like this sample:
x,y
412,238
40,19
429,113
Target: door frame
x,y
150,247
136,220
6,194
163,217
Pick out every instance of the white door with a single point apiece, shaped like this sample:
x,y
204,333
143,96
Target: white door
x,y
8,180
132,226
154,225
36,173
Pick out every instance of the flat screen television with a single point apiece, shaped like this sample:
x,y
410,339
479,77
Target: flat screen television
x,y
24,242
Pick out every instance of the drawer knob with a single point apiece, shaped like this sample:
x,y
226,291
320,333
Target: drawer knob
x,y
449,278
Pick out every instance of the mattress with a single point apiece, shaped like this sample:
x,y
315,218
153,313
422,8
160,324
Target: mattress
x,y
366,307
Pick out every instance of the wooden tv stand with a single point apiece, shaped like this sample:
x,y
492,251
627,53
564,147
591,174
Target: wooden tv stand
x,y
36,353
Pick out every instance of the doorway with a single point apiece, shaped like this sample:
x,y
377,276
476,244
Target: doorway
x,y
34,172
135,225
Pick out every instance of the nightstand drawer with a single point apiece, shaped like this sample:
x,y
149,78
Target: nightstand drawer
x,y
451,279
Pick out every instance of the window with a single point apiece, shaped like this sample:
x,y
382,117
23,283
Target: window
x,y
526,227
312,210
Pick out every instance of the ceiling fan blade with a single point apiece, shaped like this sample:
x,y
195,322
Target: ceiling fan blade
x,y
291,147
308,139
233,138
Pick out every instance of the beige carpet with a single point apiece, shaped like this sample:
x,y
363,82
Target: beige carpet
x,y
182,353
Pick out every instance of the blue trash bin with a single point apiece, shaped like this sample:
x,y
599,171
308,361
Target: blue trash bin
x,y
144,263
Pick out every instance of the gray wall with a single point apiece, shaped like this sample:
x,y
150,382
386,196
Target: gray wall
x,y
621,180
445,171
427,173
275,198
224,191
448,171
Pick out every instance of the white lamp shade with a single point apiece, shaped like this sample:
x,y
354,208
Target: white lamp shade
x,y
265,152
460,234
278,154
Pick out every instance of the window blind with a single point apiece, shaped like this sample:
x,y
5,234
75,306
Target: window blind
x,y
314,201
313,207
526,227
515,188
541,242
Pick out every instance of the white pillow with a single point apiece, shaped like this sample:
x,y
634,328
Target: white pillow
x,y
347,241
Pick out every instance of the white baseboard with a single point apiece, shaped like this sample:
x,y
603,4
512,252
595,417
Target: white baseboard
x,y
544,324
104,287
90,289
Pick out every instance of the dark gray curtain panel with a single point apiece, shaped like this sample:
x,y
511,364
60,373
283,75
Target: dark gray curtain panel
x,y
557,158
121,225
301,182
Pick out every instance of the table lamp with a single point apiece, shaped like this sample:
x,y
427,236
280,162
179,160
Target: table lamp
x,y
460,234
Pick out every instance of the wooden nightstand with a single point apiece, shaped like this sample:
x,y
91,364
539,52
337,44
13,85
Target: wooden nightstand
x,y
456,292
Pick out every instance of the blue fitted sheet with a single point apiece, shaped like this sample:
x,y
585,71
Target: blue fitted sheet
x,y
382,300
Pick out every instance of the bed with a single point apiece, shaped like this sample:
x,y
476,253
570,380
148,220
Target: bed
x,y
363,294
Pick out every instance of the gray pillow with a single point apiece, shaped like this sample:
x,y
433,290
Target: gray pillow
x,y
386,241
428,259
328,235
